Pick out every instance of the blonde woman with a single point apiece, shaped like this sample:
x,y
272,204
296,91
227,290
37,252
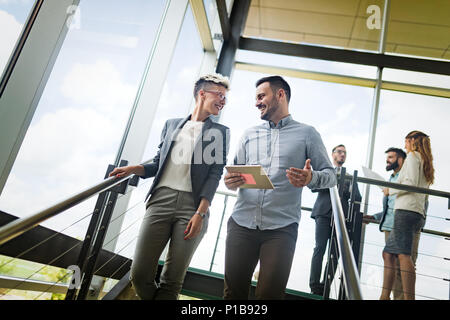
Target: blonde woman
x,y
187,170
409,214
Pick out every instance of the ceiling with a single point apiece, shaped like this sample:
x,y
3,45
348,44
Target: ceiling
x,y
416,27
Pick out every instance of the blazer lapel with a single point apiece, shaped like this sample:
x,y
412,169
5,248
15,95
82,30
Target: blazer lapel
x,y
175,132
172,136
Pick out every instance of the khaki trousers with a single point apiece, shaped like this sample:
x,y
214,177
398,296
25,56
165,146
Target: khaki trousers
x,y
168,213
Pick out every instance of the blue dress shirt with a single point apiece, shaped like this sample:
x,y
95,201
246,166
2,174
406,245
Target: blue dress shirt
x,y
276,149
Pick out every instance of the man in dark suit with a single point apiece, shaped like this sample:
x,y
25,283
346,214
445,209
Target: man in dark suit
x,y
322,212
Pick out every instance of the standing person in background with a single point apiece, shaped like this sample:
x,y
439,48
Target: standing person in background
x,y
186,179
409,214
395,158
321,213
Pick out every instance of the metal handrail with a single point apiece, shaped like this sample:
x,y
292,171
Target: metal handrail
x,y
22,225
350,270
400,186
19,226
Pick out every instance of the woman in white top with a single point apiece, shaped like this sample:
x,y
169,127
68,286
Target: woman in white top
x,y
186,169
409,214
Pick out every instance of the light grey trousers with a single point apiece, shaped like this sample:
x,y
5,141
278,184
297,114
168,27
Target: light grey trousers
x,y
167,216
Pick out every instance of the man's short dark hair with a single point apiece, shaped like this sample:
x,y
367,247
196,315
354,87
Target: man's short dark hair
x,y
340,145
400,153
276,83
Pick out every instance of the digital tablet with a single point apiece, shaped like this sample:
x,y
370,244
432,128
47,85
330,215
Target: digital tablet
x,y
254,175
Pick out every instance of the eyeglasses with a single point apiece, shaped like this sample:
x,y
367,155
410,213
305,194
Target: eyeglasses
x,y
219,94
340,151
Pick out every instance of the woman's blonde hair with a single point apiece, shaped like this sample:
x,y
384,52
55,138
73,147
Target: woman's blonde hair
x,y
213,78
422,145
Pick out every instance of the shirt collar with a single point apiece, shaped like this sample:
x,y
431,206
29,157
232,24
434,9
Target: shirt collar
x,y
282,123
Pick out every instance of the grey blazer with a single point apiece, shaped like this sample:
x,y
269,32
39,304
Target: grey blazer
x,y
205,176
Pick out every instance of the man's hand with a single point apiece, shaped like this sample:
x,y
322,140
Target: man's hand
x,y
194,227
368,219
386,191
300,177
233,180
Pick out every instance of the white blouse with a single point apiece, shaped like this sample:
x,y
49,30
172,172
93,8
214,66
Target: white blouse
x,y
177,172
411,174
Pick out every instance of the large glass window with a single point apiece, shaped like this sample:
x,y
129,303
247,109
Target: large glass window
x,y
417,78
81,116
175,102
13,15
315,65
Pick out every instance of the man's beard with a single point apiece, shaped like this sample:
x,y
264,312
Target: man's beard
x,y
392,166
270,110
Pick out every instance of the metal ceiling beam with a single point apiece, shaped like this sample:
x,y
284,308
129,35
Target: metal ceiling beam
x,y
224,20
348,56
227,55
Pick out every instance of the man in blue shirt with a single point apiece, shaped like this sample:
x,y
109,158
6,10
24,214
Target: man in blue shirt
x,y
394,161
264,223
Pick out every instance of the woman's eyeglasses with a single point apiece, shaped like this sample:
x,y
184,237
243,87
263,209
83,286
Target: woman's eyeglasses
x,y
219,94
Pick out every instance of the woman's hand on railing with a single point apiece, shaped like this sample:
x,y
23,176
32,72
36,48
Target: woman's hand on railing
x,y
126,171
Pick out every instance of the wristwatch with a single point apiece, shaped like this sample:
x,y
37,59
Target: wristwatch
x,y
201,214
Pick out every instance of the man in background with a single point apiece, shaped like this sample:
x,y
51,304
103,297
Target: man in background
x,y
321,213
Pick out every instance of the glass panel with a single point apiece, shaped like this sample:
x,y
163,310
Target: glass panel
x,y
399,114
419,28
418,78
345,24
23,271
13,15
81,116
175,102
211,10
296,63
